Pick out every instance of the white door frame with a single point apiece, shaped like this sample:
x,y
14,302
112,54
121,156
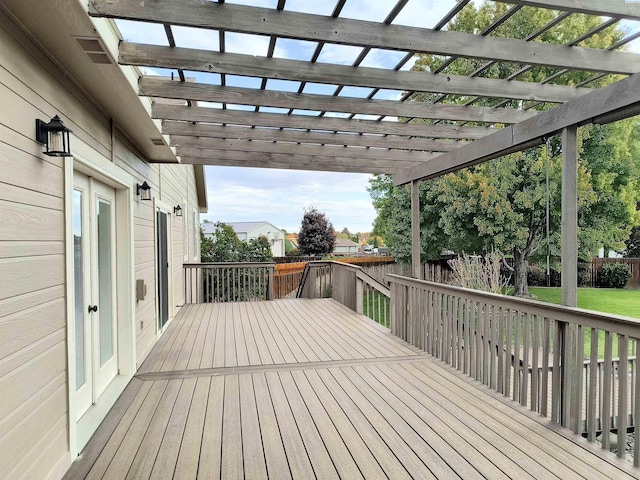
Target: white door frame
x,y
96,166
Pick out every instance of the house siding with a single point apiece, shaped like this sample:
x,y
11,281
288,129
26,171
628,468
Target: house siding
x,y
34,415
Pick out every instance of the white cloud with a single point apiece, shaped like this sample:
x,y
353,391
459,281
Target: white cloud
x,y
280,197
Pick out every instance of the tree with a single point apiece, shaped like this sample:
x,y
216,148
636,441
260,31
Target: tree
x,y
345,233
502,203
225,246
633,244
316,236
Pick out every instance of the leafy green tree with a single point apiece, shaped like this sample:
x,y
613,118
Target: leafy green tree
x,y
316,236
225,246
345,233
501,204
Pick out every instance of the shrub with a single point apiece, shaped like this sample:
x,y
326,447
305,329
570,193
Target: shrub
x,y
536,276
583,272
478,273
614,275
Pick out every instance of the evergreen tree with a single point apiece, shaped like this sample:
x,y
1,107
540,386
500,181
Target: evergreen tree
x,y
316,236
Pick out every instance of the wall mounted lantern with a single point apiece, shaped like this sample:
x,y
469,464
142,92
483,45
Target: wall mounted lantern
x,y
143,191
54,136
177,210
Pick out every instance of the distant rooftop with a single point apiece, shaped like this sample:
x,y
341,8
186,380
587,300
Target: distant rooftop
x,y
238,227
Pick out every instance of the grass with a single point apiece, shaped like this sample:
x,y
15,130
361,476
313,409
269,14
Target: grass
x,y
607,300
376,307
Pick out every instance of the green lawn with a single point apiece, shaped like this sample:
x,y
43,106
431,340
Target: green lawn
x,y
608,300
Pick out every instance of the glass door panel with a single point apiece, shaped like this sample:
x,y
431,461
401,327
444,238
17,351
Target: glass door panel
x,y
81,226
78,275
163,268
105,285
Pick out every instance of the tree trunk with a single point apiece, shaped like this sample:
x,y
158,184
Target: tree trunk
x,y
520,273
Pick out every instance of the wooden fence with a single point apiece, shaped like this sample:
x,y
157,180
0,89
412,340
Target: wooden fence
x,y
433,271
499,340
632,263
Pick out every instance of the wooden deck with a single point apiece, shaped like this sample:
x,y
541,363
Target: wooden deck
x,y
308,389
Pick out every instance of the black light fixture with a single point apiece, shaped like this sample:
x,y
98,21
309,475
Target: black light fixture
x,y
143,191
177,210
54,136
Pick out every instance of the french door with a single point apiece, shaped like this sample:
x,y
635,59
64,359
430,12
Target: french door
x,y
94,238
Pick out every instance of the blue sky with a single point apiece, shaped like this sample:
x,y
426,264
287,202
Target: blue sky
x,y
280,196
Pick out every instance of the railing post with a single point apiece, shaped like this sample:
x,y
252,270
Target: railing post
x,y
270,283
359,295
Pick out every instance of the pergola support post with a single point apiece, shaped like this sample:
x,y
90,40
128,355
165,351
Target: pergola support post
x,y
416,266
570,216
569,267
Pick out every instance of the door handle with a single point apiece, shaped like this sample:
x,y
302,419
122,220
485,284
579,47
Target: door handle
x,y
93,308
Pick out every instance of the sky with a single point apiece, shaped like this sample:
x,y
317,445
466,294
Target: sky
x,y
281,196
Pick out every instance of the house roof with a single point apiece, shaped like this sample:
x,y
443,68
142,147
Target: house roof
x,y
323,138
238,227
345,242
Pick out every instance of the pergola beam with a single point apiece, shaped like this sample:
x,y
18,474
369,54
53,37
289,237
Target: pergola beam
x,y
296,70
614,102
327,124
268,159
607,8
323,138
354,153
167,88
307,165
317,28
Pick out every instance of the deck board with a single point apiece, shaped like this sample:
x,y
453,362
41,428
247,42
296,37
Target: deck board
x,y
303,389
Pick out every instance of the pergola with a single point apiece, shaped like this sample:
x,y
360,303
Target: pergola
x,y
331,136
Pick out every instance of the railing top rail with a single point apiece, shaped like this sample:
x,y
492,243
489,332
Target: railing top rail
x,y
228,264
368,279
604,321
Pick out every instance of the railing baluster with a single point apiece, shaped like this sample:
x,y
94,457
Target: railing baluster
x,y
509,360
460,325
535,363
606,395
516,357
593,384
578,384
500,350
623,395
546,347
526,347
636,407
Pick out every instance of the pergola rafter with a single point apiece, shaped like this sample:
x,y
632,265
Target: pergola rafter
x,y
200,130
368,77
165,88
309,122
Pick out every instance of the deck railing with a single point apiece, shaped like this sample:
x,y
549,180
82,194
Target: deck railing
x,y
228,282
349,285
585,377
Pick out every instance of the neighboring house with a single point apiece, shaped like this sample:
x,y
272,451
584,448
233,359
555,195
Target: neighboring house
x,y
72,332
249,230
344,246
